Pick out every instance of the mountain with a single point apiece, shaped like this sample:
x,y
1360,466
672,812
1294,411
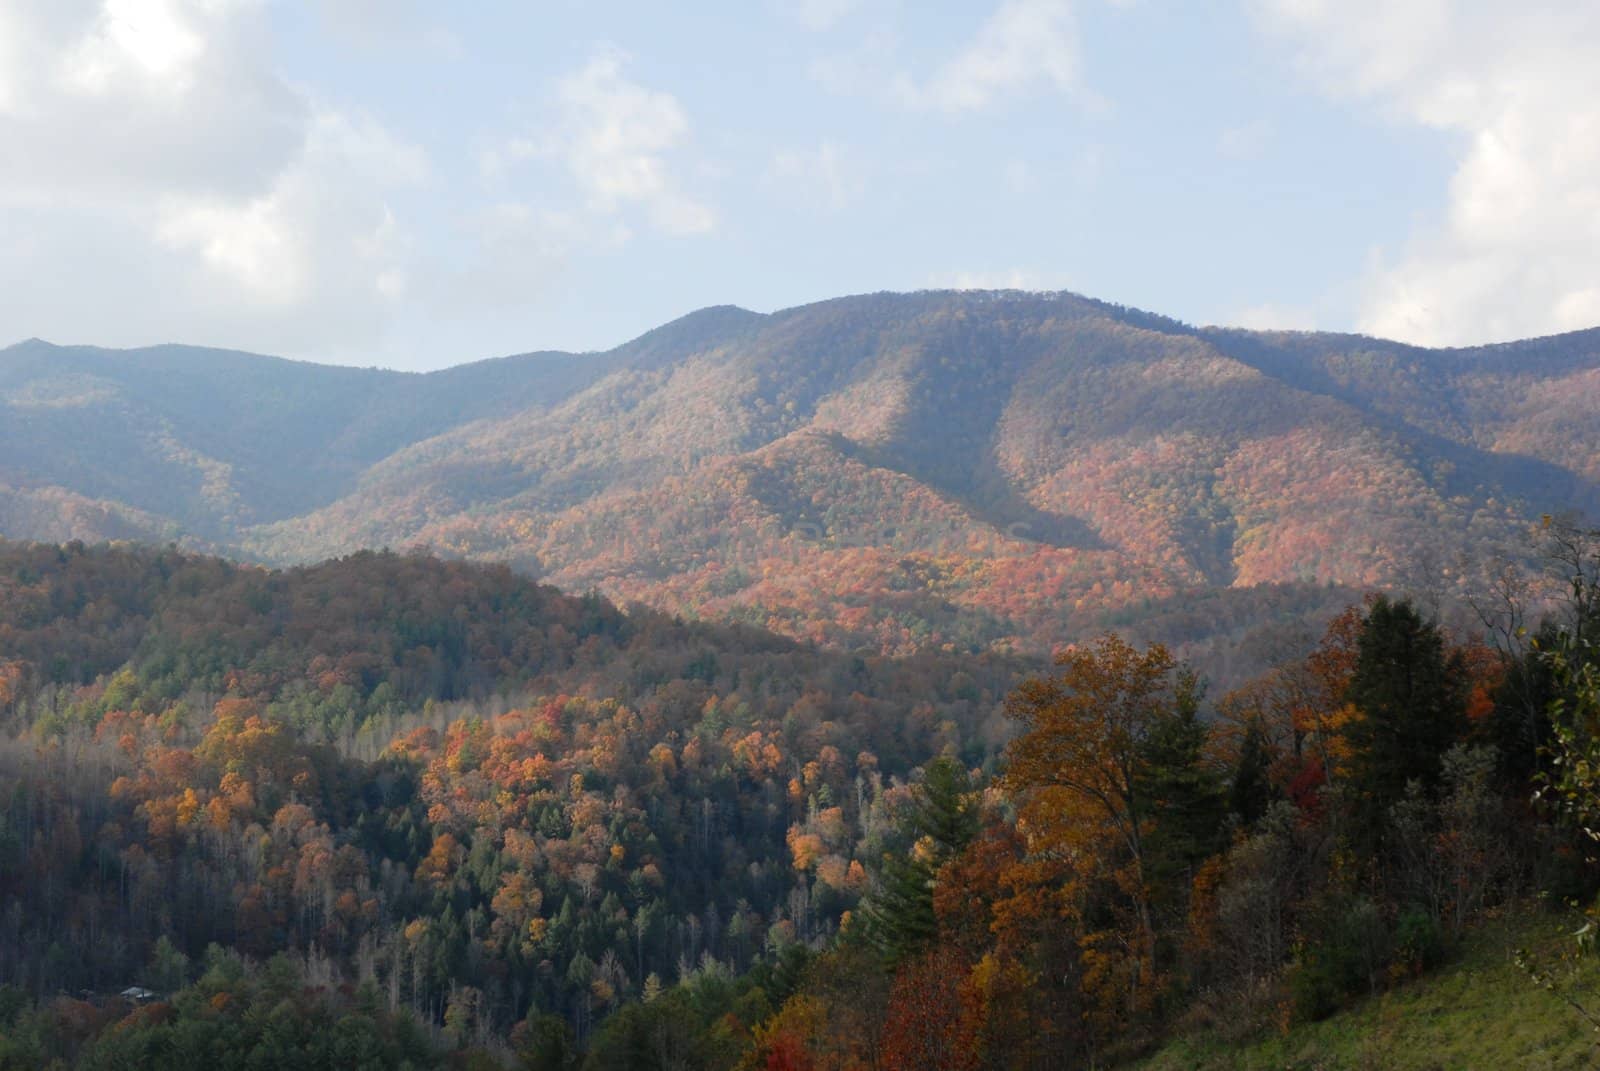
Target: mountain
x,y
968,469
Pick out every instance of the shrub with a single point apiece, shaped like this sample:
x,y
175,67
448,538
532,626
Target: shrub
x,y
1418,942
1347,960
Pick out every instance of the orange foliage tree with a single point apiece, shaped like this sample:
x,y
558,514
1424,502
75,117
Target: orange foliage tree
x,y
929,1023
1077,773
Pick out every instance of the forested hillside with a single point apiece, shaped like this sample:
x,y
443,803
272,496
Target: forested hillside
x,y
392,811
962,470
478,793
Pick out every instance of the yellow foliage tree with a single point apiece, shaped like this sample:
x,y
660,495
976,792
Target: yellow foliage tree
x,y
1075,771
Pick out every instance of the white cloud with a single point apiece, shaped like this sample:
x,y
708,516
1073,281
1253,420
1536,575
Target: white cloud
x,y
273,250
518,251
1274,318
161,181
1089,165
602,159
818,14
1080,169
1244,142
826,177
858,70
131,97
1010,279
136,40
614,138
1024,46
1019,177
390,24
1514,252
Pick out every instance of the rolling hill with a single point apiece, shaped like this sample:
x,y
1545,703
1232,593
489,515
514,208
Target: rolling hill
x,y
966,469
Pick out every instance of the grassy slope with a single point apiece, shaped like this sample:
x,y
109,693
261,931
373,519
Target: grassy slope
x,y
1480,1012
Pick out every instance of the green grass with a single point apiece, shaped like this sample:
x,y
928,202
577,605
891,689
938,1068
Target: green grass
x,y
1479,1012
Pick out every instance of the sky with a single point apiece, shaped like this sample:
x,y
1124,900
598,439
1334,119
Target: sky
x,y
415,185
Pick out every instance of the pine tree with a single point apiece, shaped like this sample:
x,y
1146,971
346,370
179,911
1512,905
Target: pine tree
x,y
898,918
1186,798
1412,709
1252,791
1571,658
1519,725
169,967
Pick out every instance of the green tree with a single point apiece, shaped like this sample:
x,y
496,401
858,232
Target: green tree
x,y
1519,724
1573,789
1252,792
544,1043
1080,766
169,968
666,1034
1408,692
899,917
1186,796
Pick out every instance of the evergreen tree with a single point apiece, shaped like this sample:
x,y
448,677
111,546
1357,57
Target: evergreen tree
x,y
1519,724
898,918
169,967
1570,659
544,1043
1186,798
1252,790
1408,693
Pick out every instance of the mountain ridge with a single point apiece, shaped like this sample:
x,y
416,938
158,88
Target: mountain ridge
x,y
990,295
966,468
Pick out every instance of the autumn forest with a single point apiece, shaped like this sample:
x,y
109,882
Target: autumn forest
x,y
954,680
394,811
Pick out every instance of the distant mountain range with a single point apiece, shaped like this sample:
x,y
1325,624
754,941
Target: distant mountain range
x,y
964,469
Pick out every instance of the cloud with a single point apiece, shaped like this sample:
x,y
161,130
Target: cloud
x,y
161,181
271,250
613,137
1079,170
390,24
1010,279
131,97
826,177
858,70
1271,317
1518,88
617,135
1024,46
1244,142
1019,177
598,161
136,40
518,253
818,14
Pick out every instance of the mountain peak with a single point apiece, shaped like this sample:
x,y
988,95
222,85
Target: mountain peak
x,y
34,343
891,470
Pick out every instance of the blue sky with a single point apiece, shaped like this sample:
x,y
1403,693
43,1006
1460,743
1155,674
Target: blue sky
x,y
416,185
